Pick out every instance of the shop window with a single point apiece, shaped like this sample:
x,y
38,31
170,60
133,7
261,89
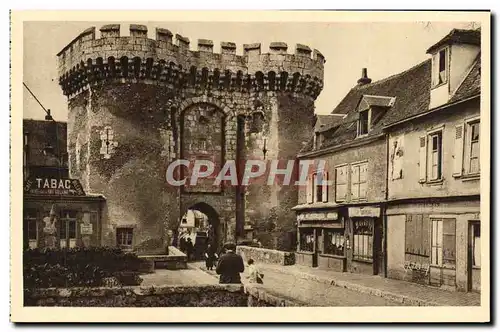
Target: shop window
x,y
31,230
334,242
476,245
358,181
124,237
363,240
443,246
306,240
67,231
341,183
417,238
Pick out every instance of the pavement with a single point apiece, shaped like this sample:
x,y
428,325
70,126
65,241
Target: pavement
x,y
316,287
309,292
189,277
328,288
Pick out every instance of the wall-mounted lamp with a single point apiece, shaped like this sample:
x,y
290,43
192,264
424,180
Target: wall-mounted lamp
x,y
264,150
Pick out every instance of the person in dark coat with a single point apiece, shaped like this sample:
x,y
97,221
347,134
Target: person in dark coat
x,y
230,266
189,249
182,244
210,257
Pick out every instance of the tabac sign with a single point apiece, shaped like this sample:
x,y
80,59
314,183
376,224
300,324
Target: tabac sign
x,y
54,187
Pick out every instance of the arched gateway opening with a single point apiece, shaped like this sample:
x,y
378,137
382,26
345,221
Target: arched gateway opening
x,y
200,225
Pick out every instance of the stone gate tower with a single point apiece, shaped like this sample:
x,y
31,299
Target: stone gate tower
x,y
136,104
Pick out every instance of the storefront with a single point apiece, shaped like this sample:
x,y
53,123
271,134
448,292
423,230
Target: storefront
x,y
364,237
342,239
321,239
58,214
435,243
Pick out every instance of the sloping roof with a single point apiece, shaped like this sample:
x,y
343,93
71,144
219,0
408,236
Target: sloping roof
x,y
458,36
325,122
381,101
410,89
471,86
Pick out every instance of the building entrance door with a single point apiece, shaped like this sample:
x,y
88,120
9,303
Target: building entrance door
x,y
474,257
378,253
318,245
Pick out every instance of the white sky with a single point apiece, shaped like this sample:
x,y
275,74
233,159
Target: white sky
x,y
384,48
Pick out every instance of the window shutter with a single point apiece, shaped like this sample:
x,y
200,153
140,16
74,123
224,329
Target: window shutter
x,y
423,159
315,187
435,69
459,151
309,190
325,187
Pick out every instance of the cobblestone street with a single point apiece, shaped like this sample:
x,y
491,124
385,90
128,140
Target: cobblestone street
x,y
189,277
312,292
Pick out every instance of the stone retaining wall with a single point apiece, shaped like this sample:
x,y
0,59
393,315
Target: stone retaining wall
x,y
168,296
266,256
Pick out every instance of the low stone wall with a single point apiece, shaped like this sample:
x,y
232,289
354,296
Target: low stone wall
x,y
168,296
175,260
266,256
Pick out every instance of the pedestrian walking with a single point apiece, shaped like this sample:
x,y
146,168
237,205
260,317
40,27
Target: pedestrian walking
x,y
230,266
189,248
210,257
254,274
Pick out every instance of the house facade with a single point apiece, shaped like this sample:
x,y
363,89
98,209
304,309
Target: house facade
x,y
57,213
433,212
402,167
340,220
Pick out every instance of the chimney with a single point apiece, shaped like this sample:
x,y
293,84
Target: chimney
x,y
364,78
48,117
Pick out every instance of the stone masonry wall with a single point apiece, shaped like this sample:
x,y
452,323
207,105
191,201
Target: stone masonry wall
x,y
166,296
130,99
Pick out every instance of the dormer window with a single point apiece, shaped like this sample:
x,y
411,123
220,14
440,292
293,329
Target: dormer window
x,y
440,67
318,140
364,122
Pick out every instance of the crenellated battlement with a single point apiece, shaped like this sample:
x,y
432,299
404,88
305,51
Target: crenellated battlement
x,y
172,60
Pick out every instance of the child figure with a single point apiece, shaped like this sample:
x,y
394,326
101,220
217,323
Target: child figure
x,y
255,276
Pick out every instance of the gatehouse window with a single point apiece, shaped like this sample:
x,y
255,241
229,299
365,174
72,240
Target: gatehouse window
x,y
306,242
124,237
363,239
443,248
334,242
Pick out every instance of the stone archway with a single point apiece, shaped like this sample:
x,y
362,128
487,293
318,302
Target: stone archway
x,y
204,232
